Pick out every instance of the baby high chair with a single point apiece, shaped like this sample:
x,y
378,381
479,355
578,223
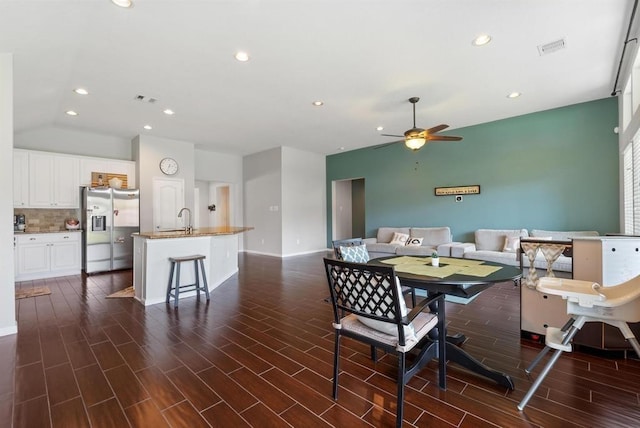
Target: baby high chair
x,y
586,301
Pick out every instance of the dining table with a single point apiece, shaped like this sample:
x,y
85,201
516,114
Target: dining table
x,y
457,277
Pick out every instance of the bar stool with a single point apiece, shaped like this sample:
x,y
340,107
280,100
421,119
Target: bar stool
x,y
177,288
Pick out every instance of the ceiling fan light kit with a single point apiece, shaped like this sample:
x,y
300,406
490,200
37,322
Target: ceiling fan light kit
x,y
415,137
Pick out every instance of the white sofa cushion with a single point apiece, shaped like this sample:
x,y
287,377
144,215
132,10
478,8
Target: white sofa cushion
x,y
382,247
493,256
432,236
410,250
493,239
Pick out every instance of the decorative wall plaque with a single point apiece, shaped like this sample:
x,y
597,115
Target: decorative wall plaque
x,y
458,190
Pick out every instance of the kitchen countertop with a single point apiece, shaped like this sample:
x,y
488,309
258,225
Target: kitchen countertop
x,y
204,231
33,232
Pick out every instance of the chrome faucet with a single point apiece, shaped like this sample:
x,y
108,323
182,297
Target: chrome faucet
x,y
187,226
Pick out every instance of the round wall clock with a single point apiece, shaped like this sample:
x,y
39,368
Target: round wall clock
x,y
168,166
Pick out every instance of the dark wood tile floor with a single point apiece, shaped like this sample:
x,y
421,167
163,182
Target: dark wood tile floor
x,y
260,355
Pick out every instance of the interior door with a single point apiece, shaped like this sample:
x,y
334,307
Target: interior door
x,y
168,199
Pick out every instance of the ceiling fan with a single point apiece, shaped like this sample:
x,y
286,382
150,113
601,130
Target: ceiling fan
x,y
415,138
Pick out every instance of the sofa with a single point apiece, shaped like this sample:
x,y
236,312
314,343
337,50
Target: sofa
x,y
419,241
501,245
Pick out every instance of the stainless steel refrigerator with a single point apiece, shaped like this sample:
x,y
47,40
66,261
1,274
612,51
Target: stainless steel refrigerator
x,y
109,217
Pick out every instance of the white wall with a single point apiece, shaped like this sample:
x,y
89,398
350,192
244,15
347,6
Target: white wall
x,y
75,142
303,201
7,286
262,202
148,151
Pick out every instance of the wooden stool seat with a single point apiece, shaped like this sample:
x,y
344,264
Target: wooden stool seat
x,y
174,290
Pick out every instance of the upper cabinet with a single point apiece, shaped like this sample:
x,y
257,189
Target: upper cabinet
x,y
53,181
20,178
108,166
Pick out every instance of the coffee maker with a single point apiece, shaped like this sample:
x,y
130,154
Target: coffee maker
x,y
19,223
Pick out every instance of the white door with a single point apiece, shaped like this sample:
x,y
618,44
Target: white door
x,y
168,199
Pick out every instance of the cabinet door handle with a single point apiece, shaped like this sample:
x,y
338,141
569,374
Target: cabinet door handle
x,y
32,239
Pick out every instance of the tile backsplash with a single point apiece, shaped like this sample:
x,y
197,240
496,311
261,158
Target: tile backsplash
x,y
46,220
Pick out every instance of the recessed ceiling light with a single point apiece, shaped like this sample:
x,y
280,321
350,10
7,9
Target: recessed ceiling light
x,y
81,91
71,113
242,56
123,3
514,95
481,40
340,148
380,128
169,112
318,103
148,127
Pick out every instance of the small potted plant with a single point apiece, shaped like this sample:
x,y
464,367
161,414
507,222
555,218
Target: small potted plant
x,y
435,259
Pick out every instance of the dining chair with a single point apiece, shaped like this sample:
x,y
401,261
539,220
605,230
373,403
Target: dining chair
x,y
376,314
355,250
587,301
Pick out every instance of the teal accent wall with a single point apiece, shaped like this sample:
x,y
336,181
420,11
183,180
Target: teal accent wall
x,y
555,170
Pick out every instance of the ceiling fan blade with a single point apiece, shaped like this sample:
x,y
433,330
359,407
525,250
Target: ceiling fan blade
x,y
392,135
443,138
437,129
387,144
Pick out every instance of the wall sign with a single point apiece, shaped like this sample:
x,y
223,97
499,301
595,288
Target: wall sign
x,y
458,190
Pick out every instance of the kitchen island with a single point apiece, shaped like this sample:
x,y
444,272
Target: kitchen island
x,y
151,252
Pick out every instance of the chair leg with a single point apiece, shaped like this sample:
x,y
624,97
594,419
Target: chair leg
x,y
400,403
204,281
173,265
336,360
176,297
374,354
569,336
546,349
413,297
197,283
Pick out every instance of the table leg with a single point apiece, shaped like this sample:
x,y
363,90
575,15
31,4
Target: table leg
x,y
457,355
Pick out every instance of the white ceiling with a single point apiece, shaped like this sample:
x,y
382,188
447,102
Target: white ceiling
x,y
364,59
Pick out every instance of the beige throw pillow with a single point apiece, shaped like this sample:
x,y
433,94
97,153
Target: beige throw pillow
x,y
511,244
399,238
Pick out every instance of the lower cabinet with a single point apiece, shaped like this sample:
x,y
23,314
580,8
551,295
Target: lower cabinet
x,y
47,255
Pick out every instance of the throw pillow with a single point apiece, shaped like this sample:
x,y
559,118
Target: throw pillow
x,y
511,244
414,242
355,254
399,238
390,328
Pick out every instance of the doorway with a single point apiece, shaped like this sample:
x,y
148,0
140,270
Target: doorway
x,y
348,208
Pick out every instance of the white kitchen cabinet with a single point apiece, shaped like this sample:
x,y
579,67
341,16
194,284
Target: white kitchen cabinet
x,y
53,181
20,178
110,166
47,255
89,166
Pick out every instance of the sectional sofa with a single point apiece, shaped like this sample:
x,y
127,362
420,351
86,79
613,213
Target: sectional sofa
x,y
494,245
501,245
418,241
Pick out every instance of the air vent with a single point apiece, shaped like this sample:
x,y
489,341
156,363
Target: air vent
x,y
552,47
145,99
